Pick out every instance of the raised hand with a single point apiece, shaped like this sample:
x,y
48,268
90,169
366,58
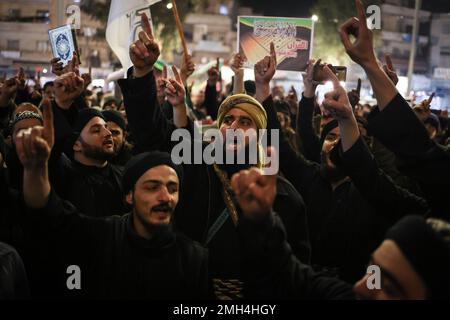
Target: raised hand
x,y
237,64
423,110
68,87
73,65
337,105
145,51
255,192
34,145
336,102
213,76
22,79
175,91
7,90
265,68
389,69
87,78
310,85
57,66
354,95
361,50
187,68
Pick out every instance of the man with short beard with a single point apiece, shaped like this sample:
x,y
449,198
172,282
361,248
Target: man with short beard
x,y
137,255
86,178
117,125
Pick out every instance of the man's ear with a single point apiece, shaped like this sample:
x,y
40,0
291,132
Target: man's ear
x,y
129,198
77,146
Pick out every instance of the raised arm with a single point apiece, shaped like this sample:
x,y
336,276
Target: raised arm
x,y
151,129
391,201
310,142
295,167
270,268
237,65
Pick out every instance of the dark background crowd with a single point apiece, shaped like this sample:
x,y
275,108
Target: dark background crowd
x,y
88,180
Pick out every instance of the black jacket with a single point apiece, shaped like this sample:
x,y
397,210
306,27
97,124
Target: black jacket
x,y
13,279
399,129
97,192
114,261
271,270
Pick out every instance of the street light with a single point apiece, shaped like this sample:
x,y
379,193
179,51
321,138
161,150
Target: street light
x,y
169,5
315,18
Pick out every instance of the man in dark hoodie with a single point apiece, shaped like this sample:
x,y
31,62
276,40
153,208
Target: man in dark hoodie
x,y
133,256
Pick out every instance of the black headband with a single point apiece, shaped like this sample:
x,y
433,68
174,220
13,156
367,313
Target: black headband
x,y
27,114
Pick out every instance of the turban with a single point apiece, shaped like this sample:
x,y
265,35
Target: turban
x,y
247,104
143,162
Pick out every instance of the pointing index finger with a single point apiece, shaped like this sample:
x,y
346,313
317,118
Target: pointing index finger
x,y
146,25
331,76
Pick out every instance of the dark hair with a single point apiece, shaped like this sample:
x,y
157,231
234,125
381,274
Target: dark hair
x,y
48,84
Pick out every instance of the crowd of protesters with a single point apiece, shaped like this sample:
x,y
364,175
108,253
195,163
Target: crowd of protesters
x,y
89,181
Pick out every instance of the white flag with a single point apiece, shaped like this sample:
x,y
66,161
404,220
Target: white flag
x,y
124,24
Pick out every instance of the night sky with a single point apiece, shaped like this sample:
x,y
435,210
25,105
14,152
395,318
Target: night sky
x,y
301,8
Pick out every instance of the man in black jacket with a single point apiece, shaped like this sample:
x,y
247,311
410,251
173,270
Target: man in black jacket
x,y
134,256
395,124
206,198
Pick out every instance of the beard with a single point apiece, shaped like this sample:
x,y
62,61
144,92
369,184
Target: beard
x,y
328,170
96,153
243,152
155,229
118,147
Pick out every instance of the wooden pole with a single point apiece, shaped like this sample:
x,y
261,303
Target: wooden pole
x,y
179,27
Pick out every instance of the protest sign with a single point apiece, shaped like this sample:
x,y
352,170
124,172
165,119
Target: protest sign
x,y
292,38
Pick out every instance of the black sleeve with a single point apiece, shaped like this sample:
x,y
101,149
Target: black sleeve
x,y
310,142
69,230
211,103
148,125
272,271
399,129
428,163
377,187
13,278
299,171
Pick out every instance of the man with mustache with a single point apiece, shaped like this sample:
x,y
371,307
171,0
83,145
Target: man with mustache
x,y
134,256
85,177
118,127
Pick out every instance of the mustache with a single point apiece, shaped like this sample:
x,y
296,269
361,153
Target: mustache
x,y
108,140
164,207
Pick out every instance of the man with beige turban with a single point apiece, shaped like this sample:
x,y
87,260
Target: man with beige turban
x,y
207,211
